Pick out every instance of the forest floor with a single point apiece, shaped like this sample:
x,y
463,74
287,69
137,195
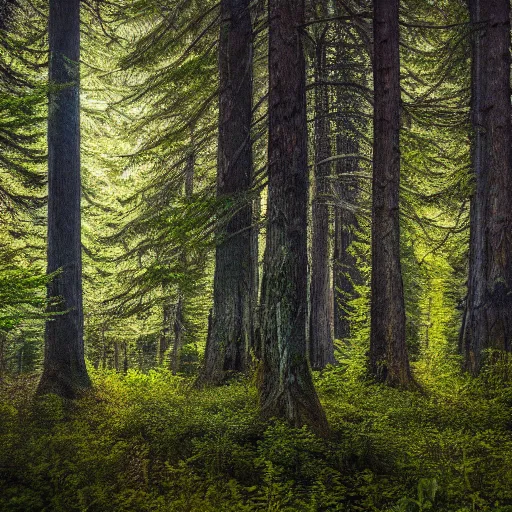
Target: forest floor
x,y
151,442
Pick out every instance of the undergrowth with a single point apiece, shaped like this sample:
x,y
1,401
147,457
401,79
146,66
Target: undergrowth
x,y
151,442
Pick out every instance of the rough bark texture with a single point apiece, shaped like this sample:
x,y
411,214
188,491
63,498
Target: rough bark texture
x,y
488,315
286,387
321,345
388,353
64,371
231,333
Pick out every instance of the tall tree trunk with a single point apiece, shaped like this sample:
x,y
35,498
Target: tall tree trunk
x,y
346,187
125,357
64,371
178,319
255,252
388,352
232,320
286,387
488,315
163,342
345,273
116,356
321,346
178,327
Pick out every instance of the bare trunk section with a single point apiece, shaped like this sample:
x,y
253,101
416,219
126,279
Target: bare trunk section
x,y
286,387
227,349
321,345
64,371
255,252
389,361
346,187
488,315
345,274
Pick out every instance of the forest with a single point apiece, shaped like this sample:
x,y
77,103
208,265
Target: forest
x,y
255,255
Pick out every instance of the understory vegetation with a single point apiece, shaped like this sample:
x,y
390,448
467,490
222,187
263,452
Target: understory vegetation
x,y
152,442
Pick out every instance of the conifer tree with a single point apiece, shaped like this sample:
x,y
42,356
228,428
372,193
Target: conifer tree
x,y
64,371
321,346
286,387
388,352
230,336
488,316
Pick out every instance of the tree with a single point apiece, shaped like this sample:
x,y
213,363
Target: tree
x,y
64,371
286,387
388,352
321,346
231,332
488,315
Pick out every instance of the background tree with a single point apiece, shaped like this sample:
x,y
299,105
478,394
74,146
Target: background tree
x,y
321,346
388,353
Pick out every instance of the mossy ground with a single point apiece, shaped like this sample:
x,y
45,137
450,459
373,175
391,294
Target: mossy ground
x,y
151,442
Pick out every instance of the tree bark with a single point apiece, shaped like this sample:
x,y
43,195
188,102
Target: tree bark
x,y
231,333
345,274
321,345
64,371
389,361
346,188
286,385
163,342
488,314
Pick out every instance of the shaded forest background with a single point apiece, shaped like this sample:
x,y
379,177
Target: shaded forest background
x,y
391,401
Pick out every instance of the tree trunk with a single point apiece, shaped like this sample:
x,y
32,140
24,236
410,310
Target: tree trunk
x,y
345,273
116,356
178,319
125,357
388,352
228,344
178,336
64,371
255,252
321,346
488,315
163,342
286,387
346,187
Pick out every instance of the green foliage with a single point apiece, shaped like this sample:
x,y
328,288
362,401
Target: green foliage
x,y
151,442
22,294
